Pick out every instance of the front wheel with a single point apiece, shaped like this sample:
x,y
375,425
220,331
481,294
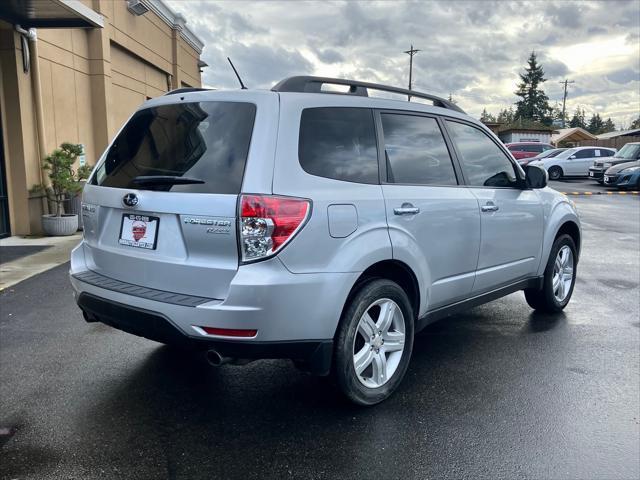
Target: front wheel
x,y
555,173
374,342
559,278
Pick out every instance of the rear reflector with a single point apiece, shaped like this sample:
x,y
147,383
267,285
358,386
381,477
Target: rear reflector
x,y
230,332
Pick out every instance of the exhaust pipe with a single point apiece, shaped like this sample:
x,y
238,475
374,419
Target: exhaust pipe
x,y
216,360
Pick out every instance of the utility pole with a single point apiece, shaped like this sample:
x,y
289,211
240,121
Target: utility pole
x,y
564,99
411,53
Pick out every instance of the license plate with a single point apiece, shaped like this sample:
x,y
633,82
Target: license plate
x,y
139,231
591,174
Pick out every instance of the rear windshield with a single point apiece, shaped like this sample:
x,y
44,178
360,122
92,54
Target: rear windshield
x,y
206,141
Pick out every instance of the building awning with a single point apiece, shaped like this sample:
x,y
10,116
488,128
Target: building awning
x,y
49,14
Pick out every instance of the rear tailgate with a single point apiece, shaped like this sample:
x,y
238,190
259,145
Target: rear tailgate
x,y
169,236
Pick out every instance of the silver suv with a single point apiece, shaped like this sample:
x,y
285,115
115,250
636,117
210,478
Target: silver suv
x,y
320,226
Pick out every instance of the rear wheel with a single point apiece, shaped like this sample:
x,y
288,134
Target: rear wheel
x,y
559,278
374,342
555,173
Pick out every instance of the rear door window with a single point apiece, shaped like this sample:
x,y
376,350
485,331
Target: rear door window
x,y
205,141
415,151
339,143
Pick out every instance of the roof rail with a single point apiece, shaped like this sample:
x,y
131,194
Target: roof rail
x,y
314,85
186,90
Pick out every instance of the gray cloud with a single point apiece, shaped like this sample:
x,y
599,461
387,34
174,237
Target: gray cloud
x,y
473,49
624,76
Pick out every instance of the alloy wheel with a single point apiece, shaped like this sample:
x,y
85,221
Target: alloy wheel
x,y
379,343
563,273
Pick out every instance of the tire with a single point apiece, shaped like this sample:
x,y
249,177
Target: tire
x,y
548,299
373,297
555,173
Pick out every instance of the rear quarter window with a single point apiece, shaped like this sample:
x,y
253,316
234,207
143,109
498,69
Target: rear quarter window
x,y
208,141
339,143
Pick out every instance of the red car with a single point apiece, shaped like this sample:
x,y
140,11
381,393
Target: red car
x,y
527,149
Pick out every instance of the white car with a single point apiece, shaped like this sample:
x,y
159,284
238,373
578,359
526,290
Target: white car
x,y
574,162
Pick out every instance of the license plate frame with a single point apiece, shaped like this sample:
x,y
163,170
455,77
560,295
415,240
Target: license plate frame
x,y
145,221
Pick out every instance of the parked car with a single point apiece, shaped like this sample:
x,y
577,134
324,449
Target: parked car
x,y
630,152
573,162
521,150
320,227
546,154
623,175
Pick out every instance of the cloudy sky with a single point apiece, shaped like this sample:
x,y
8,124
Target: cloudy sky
x,y
471,49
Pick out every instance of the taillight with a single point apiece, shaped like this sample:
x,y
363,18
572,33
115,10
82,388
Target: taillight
x,y
268,222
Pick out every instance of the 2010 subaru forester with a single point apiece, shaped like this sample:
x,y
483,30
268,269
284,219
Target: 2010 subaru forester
x,y
325,227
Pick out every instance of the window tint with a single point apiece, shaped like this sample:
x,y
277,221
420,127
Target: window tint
x,y
585,153
208,141
532,148
339,143
606,153
483,162
416,152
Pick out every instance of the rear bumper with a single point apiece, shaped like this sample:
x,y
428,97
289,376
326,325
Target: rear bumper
x,y
295,315
316,354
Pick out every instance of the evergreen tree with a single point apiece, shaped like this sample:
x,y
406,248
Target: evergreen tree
x,y
506,116
608,126
596,124
578,119
635,124
486,116
534,103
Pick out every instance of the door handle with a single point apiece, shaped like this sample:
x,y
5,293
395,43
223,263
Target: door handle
x,y
406,209
490,207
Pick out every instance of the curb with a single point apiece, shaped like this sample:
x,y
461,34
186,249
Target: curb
x,y
14,272
602,193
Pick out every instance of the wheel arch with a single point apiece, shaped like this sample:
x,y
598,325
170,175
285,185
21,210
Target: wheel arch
x,y
570,228
396,271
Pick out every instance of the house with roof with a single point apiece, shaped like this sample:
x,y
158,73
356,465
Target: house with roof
x,y
570,137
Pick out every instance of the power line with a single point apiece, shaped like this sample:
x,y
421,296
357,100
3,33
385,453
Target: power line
x,y
564,99
411,52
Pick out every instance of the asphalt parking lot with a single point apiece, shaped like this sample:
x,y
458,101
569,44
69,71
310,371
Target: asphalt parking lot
x,y
497,392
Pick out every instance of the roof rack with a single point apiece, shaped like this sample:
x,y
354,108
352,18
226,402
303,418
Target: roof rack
x,y
314,85
186,90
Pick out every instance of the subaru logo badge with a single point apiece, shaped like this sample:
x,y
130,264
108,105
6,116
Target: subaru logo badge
x,y
130,200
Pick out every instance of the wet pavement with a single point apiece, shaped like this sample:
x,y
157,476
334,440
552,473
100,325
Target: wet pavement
x,y
497,392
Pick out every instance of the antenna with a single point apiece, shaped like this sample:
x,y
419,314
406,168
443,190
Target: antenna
x,y
236,72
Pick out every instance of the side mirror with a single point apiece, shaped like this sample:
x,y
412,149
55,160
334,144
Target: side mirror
x,y
535,176
572,157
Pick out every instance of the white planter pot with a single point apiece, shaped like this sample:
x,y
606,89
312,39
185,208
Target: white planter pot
x,y
59,226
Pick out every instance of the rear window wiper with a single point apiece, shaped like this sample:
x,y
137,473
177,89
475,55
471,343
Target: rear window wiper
x,y
164,180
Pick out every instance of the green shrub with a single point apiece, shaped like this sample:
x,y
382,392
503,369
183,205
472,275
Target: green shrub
x,y
64,181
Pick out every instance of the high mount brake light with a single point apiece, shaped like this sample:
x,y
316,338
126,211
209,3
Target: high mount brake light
x,y
268,222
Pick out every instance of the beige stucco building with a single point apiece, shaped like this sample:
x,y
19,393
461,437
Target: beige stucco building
x,y
79,83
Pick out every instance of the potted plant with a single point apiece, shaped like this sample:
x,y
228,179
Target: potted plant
x,y
59,167
75,203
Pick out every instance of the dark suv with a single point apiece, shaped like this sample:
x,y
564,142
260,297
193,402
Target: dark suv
x,y
628,153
